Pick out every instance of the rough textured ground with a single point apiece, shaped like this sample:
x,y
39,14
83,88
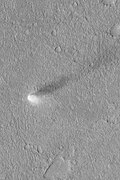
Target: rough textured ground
x,y
67,51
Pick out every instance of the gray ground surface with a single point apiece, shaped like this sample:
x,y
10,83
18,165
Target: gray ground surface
x,y
69,52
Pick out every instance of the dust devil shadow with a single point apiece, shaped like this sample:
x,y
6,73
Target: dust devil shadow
x,y
53,86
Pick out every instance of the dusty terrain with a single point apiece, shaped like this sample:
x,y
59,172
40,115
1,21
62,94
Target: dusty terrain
x,y
67,53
